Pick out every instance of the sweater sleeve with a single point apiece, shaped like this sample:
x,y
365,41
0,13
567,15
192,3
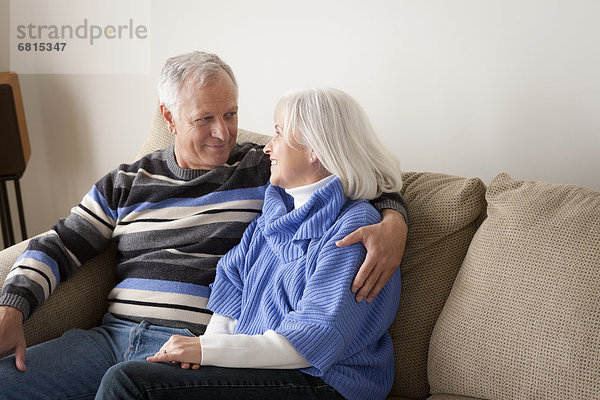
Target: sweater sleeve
x,y
394,201
329,326
269,350
221,348
226,291
220,324
56,255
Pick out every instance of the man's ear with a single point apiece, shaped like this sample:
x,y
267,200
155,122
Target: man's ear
x,y
168,117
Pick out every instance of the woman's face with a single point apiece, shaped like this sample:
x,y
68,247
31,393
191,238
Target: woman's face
x,y
290,162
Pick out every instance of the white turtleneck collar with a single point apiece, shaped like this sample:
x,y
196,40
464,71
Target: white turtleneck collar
x,y
301,194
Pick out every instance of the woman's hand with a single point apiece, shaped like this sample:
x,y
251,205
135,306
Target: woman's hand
x,y
385,244
183,350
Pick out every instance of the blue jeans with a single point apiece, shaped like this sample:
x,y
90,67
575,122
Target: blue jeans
x,y
112,357
145,380
72,366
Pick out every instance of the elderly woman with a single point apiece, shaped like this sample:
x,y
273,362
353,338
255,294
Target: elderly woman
x,y
283,307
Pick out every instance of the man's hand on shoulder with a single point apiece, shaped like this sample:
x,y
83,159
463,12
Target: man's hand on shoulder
x,y
385,244
12,336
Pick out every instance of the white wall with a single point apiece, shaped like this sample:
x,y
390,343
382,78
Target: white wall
x,y
466,87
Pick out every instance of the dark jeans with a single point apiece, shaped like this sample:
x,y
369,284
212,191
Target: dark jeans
x,y
145,380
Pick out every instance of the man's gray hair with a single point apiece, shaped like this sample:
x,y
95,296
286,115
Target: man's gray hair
x,y
337,129
202,68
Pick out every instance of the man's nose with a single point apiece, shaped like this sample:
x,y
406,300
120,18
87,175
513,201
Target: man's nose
x,y
220,130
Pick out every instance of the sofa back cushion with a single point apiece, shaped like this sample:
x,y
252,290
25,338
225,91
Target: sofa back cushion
x,y
444,212
523,317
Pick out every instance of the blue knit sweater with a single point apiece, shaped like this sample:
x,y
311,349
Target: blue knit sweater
x,y
288,275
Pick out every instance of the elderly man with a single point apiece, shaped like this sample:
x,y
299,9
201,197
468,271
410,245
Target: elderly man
x,y
173,214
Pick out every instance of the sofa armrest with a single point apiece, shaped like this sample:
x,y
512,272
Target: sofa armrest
x,y
79,302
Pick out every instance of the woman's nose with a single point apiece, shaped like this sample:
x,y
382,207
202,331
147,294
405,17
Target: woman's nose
x,y
267,148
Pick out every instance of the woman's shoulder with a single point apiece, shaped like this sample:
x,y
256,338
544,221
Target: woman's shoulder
x,y
357,213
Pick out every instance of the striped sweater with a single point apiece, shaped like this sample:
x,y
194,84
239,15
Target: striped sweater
x,y
288,275
171,226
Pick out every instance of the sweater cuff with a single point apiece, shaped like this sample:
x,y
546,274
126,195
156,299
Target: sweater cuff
x,y
320,345
392,201
16,301
225,299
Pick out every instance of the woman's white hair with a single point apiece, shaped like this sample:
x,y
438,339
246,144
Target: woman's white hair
x,y
337,129
202,68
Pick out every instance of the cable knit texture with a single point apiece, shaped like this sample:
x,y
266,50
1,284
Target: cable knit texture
x,y
288,275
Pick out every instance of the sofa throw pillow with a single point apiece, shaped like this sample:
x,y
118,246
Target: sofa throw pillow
x,y
523,318
444,212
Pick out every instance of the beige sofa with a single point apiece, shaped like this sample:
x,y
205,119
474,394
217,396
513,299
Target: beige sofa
x,y
500,290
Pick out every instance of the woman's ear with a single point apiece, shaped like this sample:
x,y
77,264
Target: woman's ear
x,y
312,157
168,117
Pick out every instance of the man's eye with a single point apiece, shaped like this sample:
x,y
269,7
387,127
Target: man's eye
x,y
204,119
231,114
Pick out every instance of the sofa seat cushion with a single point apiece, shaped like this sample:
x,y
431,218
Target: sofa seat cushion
x,y
444,213
523,317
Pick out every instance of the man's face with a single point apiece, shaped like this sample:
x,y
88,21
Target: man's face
x,y
206,126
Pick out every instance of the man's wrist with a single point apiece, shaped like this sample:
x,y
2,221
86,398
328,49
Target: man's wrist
x,y
393,215
16,302
13,312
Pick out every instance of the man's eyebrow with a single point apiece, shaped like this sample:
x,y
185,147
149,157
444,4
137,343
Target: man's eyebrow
x,y
200,113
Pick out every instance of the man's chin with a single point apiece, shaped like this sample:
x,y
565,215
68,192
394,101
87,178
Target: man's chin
x,y
219,155
220,159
